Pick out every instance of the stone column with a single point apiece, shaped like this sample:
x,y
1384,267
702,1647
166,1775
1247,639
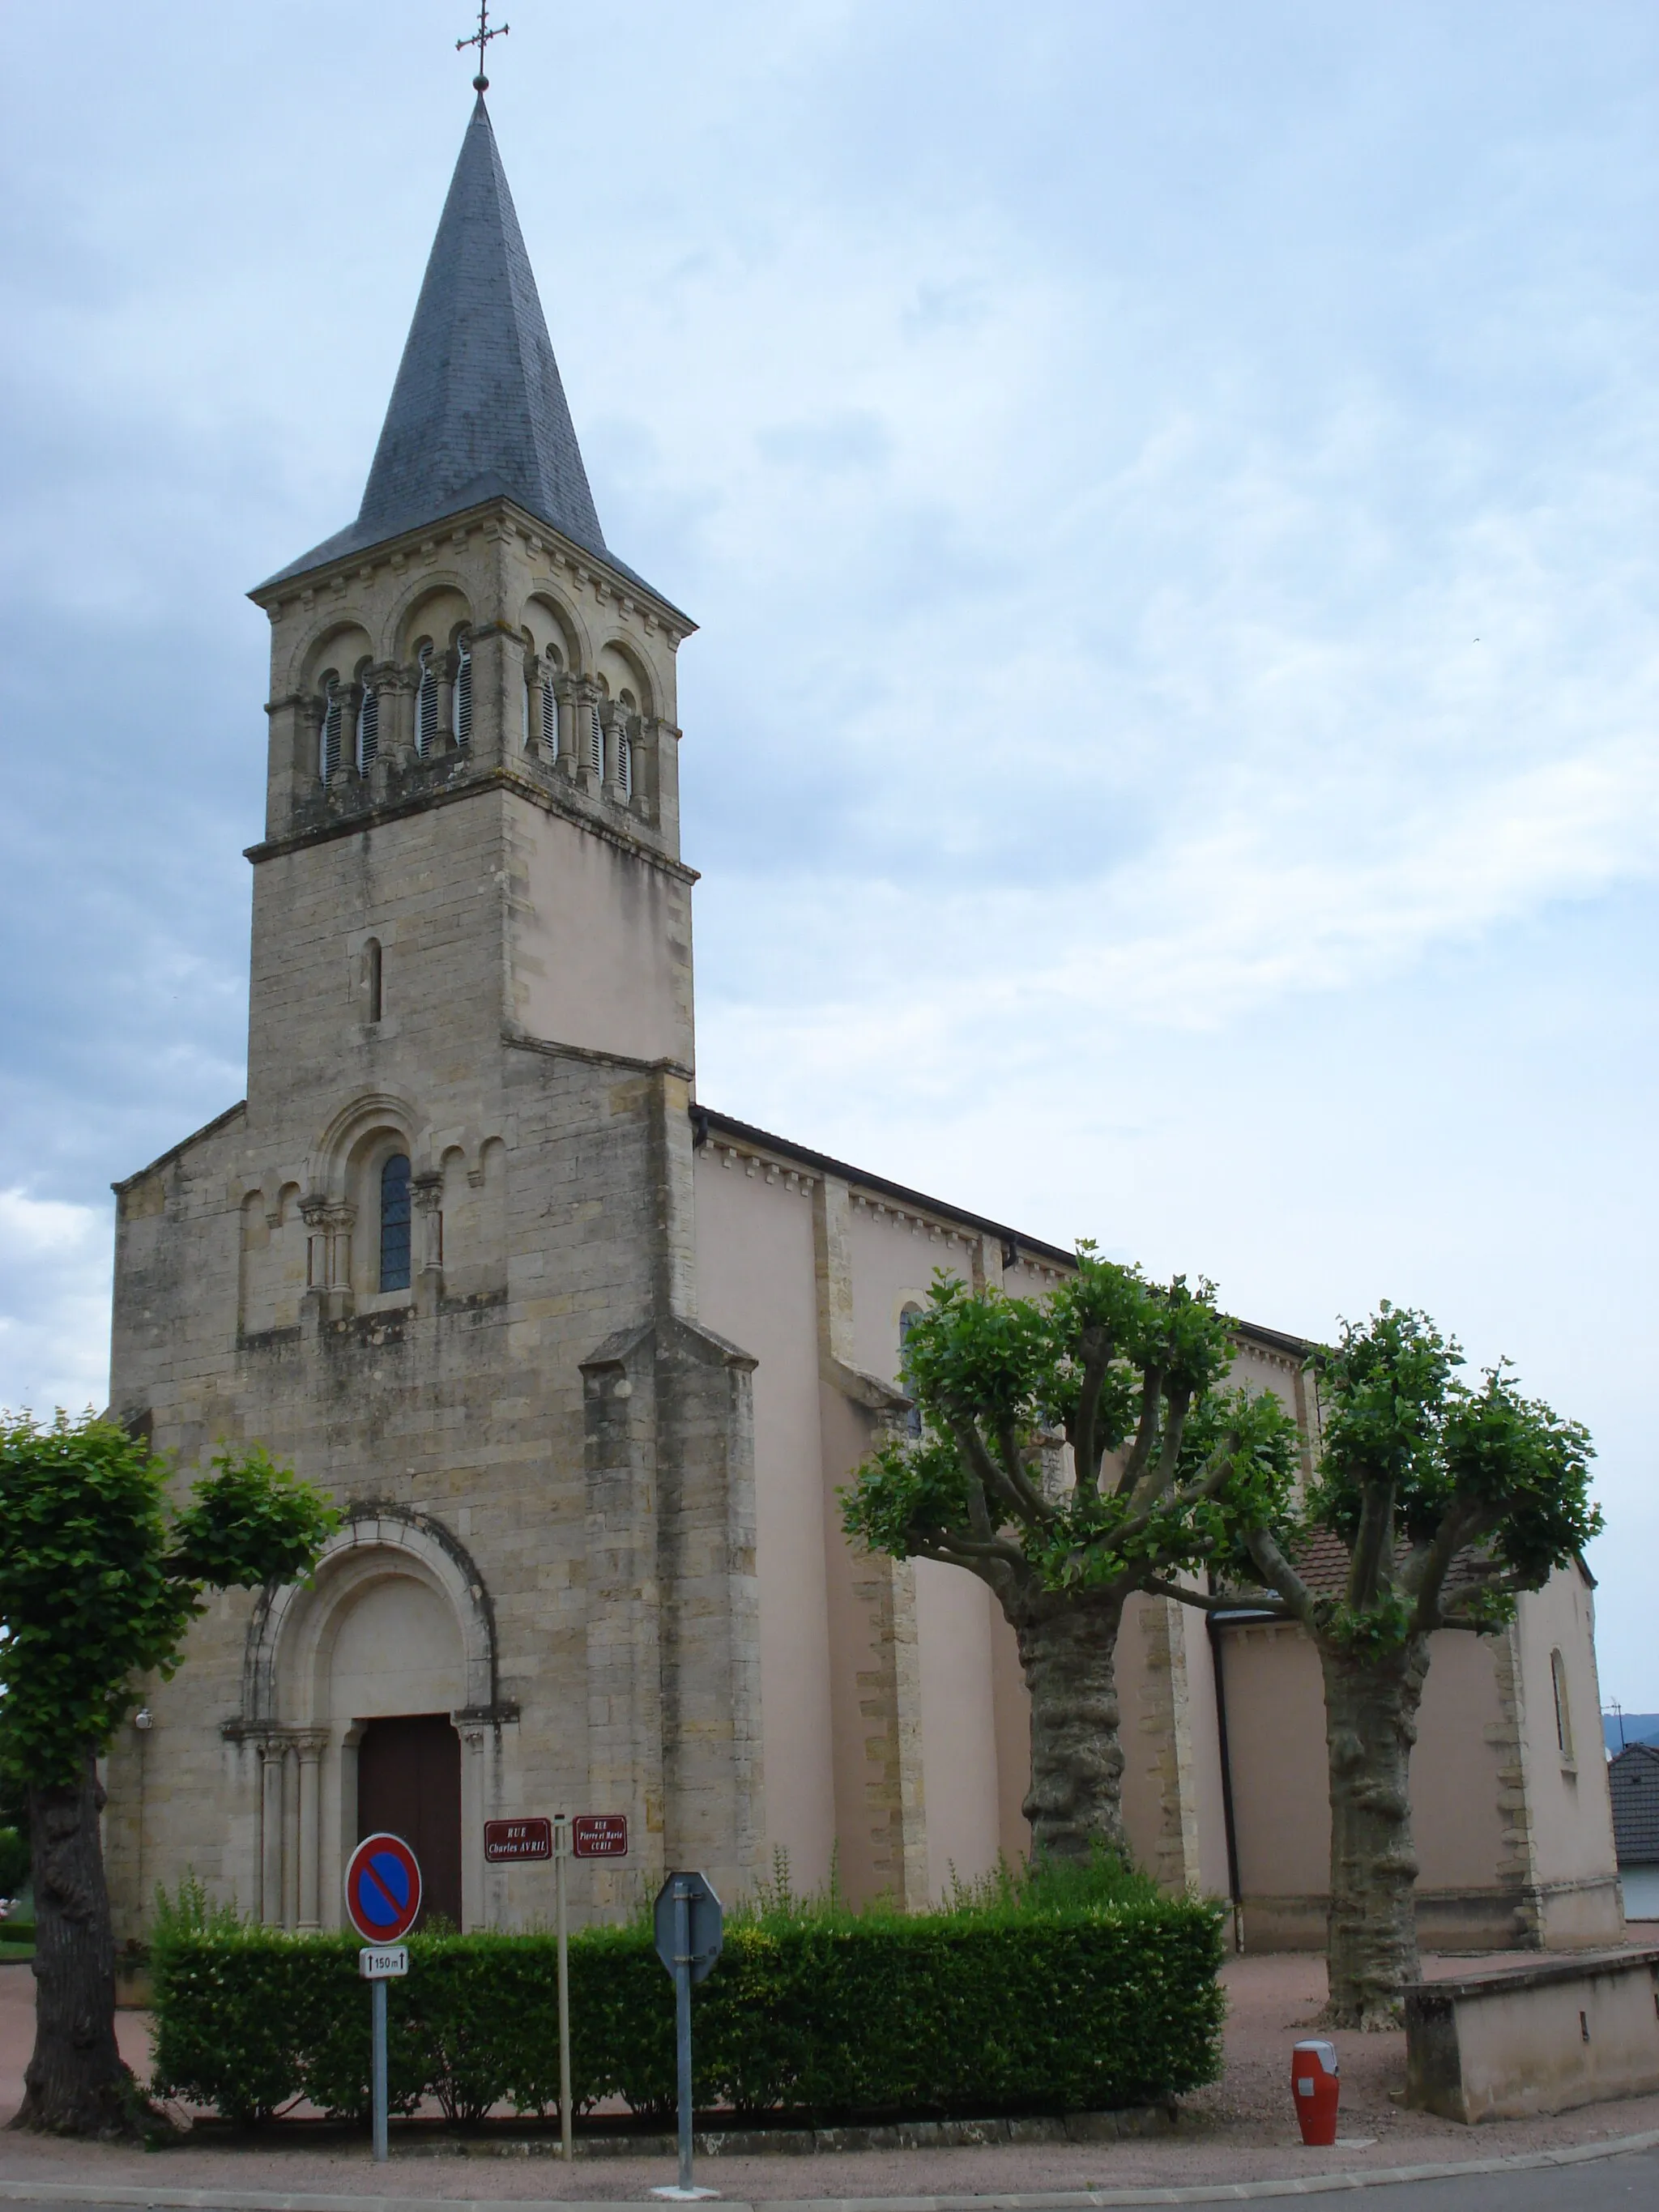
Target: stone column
x,y
291,1837
350,698
447,665
564,688
475,1739
309,1748
271,1753
312,713
426,1191
587,700
534,739
497,656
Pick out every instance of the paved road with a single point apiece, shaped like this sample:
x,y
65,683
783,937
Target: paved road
x,y
1599,2184
1630,2184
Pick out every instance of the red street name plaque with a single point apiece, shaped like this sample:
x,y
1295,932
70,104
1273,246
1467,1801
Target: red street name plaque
x,y
599,1835
506,1841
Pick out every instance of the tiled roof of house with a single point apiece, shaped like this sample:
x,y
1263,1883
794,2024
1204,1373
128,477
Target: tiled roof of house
x,y
1633,1779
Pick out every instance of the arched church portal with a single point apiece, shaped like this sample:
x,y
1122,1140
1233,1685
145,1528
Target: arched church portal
x,y
368,1695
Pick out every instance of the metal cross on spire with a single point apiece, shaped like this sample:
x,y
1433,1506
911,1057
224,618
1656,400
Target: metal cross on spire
x,y
481,38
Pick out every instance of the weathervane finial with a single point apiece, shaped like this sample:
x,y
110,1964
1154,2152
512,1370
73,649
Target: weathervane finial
x,y
481,38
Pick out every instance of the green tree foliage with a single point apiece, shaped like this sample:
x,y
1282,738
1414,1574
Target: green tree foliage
x,y
100,1581
1448,1501
1073,1451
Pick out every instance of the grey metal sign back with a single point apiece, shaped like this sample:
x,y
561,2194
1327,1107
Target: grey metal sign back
x,y
705,1925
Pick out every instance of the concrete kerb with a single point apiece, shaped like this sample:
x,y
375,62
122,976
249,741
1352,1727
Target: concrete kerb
x,y
1053,2200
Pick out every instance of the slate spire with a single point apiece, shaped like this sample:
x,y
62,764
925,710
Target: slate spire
x,y
478,406
478,410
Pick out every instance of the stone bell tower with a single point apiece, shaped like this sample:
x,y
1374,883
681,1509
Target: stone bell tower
x,y
441,1259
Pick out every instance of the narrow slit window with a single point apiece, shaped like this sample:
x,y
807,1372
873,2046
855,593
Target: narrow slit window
x,y
368,727
907,1320
426,703
371,977
394,1223
1563,1711
463,696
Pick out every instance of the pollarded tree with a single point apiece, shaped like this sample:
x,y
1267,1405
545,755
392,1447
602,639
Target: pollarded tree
x,y
1071,1452
1447,1502
99,1584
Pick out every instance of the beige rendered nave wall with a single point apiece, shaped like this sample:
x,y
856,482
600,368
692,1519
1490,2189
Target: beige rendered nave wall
x,y
756,1285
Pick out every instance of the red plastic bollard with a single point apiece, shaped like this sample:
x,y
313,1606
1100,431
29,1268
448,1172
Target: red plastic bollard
x,y
1315,2088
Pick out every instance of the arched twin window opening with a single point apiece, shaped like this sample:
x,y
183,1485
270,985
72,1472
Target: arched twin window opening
x,y
426,701
463,696
328,764
368,727
907,1320
395,1219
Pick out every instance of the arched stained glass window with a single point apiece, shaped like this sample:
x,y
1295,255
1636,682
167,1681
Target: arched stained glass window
x,y
394,1223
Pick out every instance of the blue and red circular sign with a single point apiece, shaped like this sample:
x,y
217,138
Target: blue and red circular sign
x,y
382,1889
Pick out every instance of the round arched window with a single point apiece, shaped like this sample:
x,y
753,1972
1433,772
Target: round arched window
x,y
394,1223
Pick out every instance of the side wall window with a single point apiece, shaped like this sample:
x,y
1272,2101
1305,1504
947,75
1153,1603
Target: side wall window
x,y
394,1223
371,977
907,1320
1562,1710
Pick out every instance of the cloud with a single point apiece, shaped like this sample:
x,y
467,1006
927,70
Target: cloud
x,y
54,1305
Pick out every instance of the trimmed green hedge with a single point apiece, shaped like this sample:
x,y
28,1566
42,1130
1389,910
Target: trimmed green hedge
x,y
823,2017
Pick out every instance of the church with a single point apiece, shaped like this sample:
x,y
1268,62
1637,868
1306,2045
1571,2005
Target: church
x,y
584,1360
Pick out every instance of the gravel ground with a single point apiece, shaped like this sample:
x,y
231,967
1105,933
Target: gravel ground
x,y
1241,2130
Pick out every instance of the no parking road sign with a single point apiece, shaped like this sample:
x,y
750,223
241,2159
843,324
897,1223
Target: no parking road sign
x,y
382,1889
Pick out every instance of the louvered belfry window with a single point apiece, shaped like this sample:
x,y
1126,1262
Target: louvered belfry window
x,y
333,714
394,1223
426,704
625,763
463,696
368,726
595,742
550,716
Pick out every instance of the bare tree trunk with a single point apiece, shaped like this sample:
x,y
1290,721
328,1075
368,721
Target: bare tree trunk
x,y
1067,1648
1370,1725
76,2083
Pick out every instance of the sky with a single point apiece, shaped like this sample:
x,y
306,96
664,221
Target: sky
x,y
1168,489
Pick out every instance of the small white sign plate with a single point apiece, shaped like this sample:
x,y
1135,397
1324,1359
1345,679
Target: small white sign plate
x,y
379,1962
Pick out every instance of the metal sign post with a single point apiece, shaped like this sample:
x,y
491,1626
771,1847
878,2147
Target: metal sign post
x,y
690,1931
561,1859
383,1902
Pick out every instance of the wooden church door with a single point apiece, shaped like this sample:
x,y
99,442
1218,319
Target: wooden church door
x,y
409,1784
